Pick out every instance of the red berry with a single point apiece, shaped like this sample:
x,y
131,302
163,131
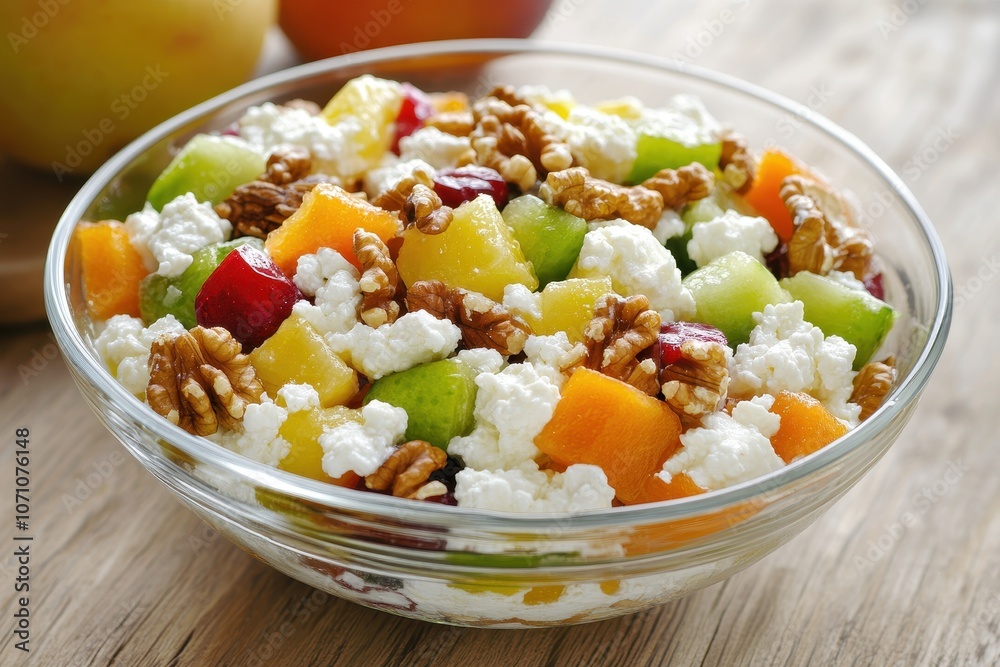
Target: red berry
x,y
668,345
247,295
873,284
415,110
457,186
777,261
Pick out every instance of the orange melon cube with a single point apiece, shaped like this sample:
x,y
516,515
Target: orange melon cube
x,y
328,217
806,426
607,423
680,486
775,166
112,269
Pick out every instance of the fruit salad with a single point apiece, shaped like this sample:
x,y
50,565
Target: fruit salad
x,y
519,303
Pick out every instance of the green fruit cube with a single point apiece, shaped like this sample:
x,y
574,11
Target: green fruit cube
x,y
673,138
856,316
209,167
160,295
729,290
439,399
550,238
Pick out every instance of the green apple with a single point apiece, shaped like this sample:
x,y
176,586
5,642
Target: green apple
x,y
82,79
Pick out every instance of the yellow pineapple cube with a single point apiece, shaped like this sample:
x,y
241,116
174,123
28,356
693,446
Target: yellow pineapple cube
x,y
302,429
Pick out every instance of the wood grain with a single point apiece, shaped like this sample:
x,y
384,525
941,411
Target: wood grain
x,y
129,577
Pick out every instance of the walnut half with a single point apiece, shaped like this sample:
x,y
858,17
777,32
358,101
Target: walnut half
x,y
407,470
696,384
576,191
621,329
200,380
872,384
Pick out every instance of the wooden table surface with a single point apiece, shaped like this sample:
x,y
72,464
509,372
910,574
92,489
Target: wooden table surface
x,y
122,574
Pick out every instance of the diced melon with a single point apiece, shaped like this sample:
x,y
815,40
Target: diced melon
x,y
111,269
550,238
673,138
806,426
439,399
209,167
476,252
854,315
302,430
729,290
327,218
297,353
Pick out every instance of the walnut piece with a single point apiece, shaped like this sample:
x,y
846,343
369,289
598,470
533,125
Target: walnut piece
x,y
620,330
678,187
697,383
287,164
508,94
509,138
825,236
576,191
483,322
872,384
394,199
379,280
424,210
200,380
407,469
457,123
737,163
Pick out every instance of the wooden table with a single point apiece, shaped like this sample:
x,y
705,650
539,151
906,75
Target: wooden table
x,y
122,574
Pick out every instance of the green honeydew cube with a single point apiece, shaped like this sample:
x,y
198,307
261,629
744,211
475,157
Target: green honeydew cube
x,y
438,397
550,238
209,167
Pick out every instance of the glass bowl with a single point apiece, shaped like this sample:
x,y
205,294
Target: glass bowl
x,y
479,568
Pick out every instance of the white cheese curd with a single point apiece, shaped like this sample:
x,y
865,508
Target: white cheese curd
x,y
392,171
528,489
333,281
299,397
436,148
603,143
730,232
336,150
415,338
550,354
123,343
522,302
787,353
669,225
637,264
685,119
363,447
481,360
166,240
259,440
847,279
728,450
512,407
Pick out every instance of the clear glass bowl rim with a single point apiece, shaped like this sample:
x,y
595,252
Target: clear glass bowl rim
x,y
94,372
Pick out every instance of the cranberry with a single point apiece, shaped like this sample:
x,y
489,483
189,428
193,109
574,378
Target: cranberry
x,y
457,186
777,261
248,295
873,284
668,345
446,475
415,110
231,131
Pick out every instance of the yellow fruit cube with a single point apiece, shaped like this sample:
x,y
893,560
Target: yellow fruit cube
x,y
297,353
568,305
302,430
477,252
373,103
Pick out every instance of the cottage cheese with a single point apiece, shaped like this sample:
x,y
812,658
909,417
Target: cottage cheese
x,y
166,240
847,279
259,440
481,360
728,450
333,281
438,149
528,489
123,343
787,353
603,143
299,397
512,407
391,172
336,150
686,119
522,302
364,447
637,264
415,338
669,226
730,232
550,354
